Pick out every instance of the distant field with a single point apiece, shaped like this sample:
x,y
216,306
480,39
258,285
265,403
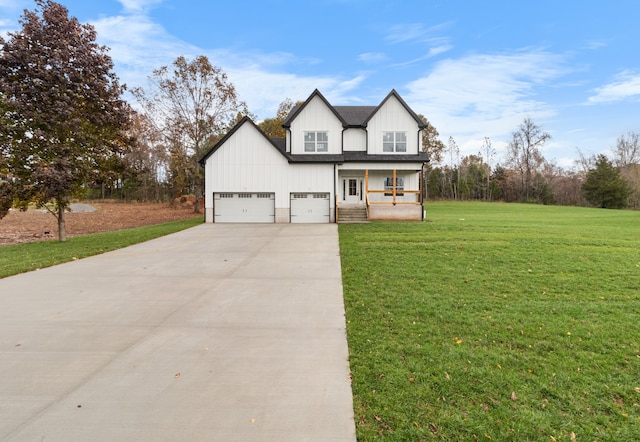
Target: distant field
x,y
495,322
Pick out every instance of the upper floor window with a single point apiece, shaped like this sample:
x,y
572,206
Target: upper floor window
x,y
394,141
316,142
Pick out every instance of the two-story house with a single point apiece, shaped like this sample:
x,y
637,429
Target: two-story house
x,y
334,161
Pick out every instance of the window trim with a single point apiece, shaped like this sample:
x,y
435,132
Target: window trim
x,y
395,142
389,187
316,142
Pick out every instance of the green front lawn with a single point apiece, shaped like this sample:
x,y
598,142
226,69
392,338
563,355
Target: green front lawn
x,y
21,258
495,322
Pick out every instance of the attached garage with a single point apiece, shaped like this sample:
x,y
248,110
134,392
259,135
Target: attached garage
x,y
310,208
244,207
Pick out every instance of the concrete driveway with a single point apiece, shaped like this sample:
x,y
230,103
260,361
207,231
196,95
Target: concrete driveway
x,y
217,333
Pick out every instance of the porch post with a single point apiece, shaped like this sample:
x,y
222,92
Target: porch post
x,y
420,197
366,186
394,187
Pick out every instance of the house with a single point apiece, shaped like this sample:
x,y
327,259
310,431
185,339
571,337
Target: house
x,y
336,163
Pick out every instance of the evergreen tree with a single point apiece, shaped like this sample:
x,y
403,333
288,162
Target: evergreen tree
x,y
604,187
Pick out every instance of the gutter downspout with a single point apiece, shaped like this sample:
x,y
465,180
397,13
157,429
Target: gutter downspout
x,y
423,191
335,195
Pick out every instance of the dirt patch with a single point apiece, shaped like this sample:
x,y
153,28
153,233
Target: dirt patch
x,y
37,225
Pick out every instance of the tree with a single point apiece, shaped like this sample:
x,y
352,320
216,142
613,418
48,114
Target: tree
x,y
63,116
627,158
627,151
431,144
524,155
604,187
144,161
191,103
272,127
433,147
453,175
488,152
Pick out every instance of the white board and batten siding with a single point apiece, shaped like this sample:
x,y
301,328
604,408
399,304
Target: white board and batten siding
x,y
316,116
391,117
248,163
355,140
310,207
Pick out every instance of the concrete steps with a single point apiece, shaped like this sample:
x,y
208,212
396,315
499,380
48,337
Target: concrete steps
x,y
352,214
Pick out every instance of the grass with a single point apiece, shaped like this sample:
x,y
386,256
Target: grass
x,y
20,258
495,322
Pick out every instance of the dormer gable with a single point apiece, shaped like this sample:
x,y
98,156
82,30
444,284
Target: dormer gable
x,y
394,95
314,127
393,128
299,108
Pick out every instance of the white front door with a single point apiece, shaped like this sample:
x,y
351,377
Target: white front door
x,y
352,192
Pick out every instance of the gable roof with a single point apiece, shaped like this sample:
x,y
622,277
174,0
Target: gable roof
x,y
393,93
297,109
274,142
279,145
352,116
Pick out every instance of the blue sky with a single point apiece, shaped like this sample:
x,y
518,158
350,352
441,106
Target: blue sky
x,y
475,69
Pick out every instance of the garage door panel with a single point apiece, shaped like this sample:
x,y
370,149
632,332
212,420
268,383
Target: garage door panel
x,y
244,208
310,208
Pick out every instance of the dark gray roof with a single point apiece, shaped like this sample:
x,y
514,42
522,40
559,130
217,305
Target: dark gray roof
x,y
351,116
355,116
351,157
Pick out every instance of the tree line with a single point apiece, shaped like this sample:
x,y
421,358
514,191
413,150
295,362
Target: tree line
x,y
66,132
524,175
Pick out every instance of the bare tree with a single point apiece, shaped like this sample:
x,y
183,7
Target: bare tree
x,y
454,158
584,162
191,102
487,152
627,150
145,161
524,154
627,159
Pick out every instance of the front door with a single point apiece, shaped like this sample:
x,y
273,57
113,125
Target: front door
x,y
352,190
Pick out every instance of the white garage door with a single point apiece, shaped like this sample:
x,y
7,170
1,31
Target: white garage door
x,y
244,208
310,208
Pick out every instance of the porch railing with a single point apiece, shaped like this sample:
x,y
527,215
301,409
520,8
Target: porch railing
x,y
394,201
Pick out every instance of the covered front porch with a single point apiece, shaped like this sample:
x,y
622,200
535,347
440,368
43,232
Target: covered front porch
x,y
385,194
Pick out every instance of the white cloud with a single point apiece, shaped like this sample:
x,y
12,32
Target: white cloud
x,y
417,33
138,46
263,101
484,95
372,57
137,5
625,86
402,33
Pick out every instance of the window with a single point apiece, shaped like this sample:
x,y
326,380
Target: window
x,y
316,142
394,141
388,185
